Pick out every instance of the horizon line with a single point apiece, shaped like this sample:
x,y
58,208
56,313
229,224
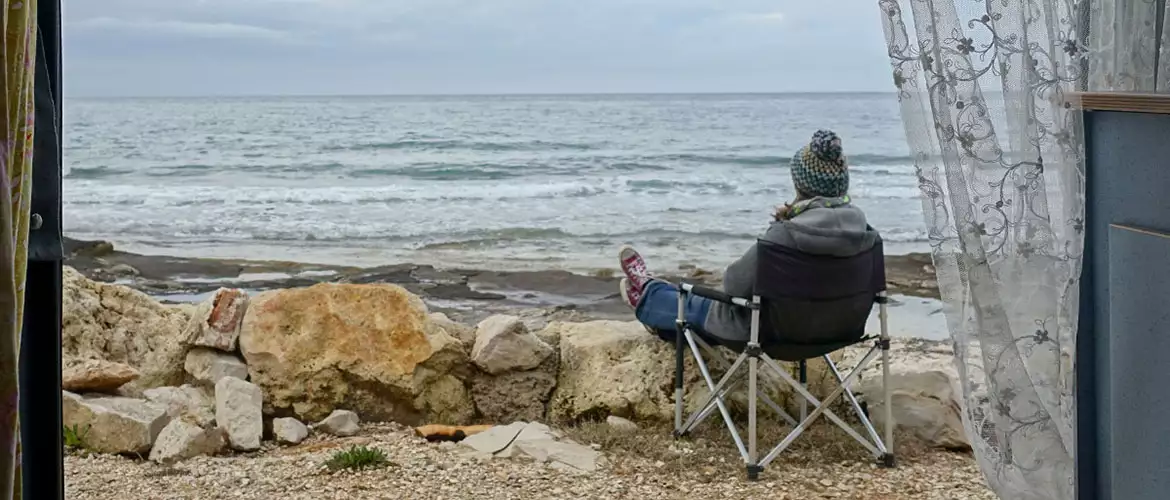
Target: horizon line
x,y
500,94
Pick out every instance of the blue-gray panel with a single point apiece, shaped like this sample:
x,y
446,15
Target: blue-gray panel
x,y
1127,181
1139,328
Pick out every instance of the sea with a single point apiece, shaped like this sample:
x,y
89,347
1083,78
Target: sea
x,y
481,182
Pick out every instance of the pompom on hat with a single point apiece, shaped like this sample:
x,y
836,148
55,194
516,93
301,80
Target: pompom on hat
x,y
819,168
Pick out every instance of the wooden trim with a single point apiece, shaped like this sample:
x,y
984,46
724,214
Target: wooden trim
x,y
1147,232
1128,102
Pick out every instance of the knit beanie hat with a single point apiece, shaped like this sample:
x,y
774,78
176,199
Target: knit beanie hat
x,y
819,169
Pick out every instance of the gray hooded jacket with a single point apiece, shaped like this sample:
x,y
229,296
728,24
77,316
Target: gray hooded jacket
x,y
821,227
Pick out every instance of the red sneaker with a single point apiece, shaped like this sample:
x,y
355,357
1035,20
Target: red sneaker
x,y
630,294
634,267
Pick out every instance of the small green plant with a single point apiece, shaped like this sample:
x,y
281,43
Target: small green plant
x,y
357,458
74,437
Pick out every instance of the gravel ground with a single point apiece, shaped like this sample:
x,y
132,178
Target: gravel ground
x,y
704,467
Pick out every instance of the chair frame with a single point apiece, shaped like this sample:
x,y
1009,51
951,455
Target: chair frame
x,y
753,354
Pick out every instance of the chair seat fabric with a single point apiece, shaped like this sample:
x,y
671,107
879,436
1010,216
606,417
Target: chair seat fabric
x,y
816,300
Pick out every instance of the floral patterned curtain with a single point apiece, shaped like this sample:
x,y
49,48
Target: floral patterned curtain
x,y
999,158
1128,53
16,149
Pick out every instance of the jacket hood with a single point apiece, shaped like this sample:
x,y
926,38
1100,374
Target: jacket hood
x,y
826,227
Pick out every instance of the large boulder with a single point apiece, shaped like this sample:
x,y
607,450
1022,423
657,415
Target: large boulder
x,y
113,424
503,344
925,390
216,323
116,323
207,366
95,375
612,368
181,439
196,404
370,348
516,395
238,411
617,368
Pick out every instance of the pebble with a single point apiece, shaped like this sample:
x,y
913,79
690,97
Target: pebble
x,y
423,470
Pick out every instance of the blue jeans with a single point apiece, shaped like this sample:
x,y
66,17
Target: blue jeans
x,y
658,309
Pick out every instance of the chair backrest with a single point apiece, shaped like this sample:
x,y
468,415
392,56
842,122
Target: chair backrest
x,y
816,299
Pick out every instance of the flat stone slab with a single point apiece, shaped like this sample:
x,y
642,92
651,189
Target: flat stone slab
x,y
494,440
538,442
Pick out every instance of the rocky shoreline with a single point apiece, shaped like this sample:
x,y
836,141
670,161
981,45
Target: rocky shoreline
x,y
275,354
377,349
465,295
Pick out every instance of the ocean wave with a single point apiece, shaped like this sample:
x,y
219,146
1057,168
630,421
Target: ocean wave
x,y
774,160
93,173
469,145
862,160
633,166
663,186
660,237
572,165
747,160
443,173
288,168
192,170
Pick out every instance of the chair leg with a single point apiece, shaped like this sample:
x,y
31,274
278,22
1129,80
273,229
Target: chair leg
x,y
888,459
715,395
862,414
763,379
753,380
820,406
803,383
680,325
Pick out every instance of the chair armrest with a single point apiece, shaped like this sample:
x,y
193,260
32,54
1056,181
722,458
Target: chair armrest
x,y
713,294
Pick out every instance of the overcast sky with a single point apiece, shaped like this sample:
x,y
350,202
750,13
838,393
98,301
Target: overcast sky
x,y
251,47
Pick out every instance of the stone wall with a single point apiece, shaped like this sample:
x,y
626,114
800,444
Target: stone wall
x,y
216,375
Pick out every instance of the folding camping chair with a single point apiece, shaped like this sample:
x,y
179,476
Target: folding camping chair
x,y
804,307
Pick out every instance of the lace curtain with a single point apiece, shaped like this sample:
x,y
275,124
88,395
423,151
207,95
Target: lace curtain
x,y
998,153
1130,48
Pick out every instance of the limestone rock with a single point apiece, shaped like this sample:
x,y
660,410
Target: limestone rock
x,y
621,424
515,396
538,442
447,399
289,430
95,375
238,410
216,323
924,387
503,343
207,366
550,336
116,323
464,333
113,424
181,439
196,404
617,368
123,270
612,368
370,348
340,423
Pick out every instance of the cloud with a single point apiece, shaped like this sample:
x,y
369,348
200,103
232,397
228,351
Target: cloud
x,y
423,46
767,17
181,28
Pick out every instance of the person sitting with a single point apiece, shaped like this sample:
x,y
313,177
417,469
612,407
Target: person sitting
x,y
820,221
